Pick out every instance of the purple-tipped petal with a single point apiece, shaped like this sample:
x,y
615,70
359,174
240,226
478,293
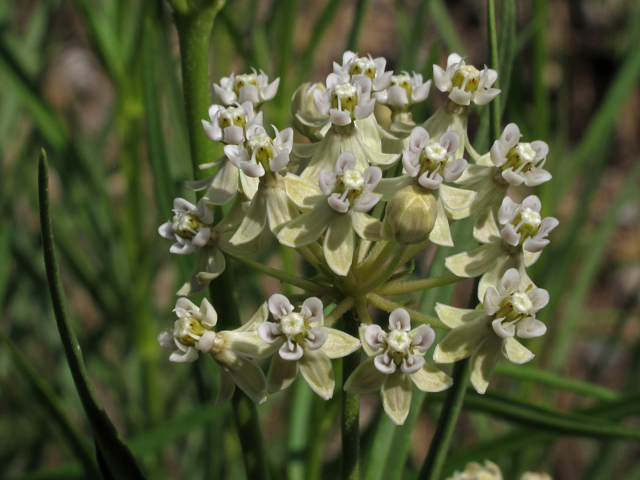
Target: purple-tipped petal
x,y
365,202
375,337
423,337
269,332
384,364
315,308
430,183
316,338
412,363
291,351
400,320
450,141
454,169
340,206
510,235
326,181
346,161
279,306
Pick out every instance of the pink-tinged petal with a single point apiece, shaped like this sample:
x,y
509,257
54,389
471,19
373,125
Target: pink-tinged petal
x,y
364,110
279,306
279,162
255,129
346,161
364,83
531,328
204,212
249,93
319,337
430,183
333,80
320,102
507,211
420,92
412,363
375,337
535,245
254,170
491,301
270,91
418,139
180,205
372,176
546,226
285,139
326,181
340,206
510,235
512,177
535,177
226,97
397,96
384,364
533,203
500,329
541,148
233,135
539,298
400,320
202,237
191,355
442,80
482,97
460,96
166,231
454,169
422,338
315,309
365,202
269,332
509,283
236,154
450,141
411,163
214,133
182,248
510,137
340,117
382,81
291,351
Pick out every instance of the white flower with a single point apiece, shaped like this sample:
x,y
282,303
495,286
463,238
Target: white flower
x,y
190,227
336,205
232,350
475,471
260,152
517,245
345,101
404,91
395,360
535,476
465,83
373,68
507,310
229,124
520,162
252,87
303,344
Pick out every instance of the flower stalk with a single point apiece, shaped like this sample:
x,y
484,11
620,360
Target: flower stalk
x,y
417,285
350,409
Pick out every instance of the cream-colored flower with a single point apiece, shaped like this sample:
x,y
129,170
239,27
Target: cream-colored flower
x,y
507,310
304,345
535,476
251,87
373,68
516,245
396,359
337,205
228,125
465,83
475,471
190,227
232,350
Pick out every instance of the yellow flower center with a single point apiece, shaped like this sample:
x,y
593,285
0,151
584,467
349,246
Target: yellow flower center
x,y
232,116
467,78
527,223
186,225
433,159
344,97
363,66
521,157
515,307
262,146
403,81
188,330
242,80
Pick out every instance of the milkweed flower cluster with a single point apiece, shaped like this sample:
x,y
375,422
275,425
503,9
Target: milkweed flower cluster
x,y
357,201
491,471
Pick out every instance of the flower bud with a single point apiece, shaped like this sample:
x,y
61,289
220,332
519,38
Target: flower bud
x,y
410,215
302,101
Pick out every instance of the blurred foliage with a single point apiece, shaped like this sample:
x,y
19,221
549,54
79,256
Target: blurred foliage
x,y
97,83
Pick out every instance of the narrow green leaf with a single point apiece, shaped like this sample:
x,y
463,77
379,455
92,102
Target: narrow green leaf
x,y
445,27
356,26
299,426
120,460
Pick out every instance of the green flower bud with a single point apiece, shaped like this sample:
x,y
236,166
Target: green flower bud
x,y
410,215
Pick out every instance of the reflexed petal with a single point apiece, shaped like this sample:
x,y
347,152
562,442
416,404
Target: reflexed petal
x,y
247,375
339,244
279,161
326,181
512,177
491,300
503,329
530,258
454,317
482,97
281,374
474,262
399,320
385,364
279,306
387,187
338,204
485,229
420,92
249,185
339,344
460,96
510,235
226,97
269,91
202,237
316,369
430,181
366,226
214,133
364,110
441,233
462,342
340,117
431,379
366,378
494,274
280,210
259,317
166,230
250,344
456,198
365,202
302,192
516,352
534,245
224,185
313,310
379,158
255,221
441,79
227,387
308,227
454,170
396,396
483,363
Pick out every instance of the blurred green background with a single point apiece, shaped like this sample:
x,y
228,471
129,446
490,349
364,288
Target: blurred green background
x,y
97,83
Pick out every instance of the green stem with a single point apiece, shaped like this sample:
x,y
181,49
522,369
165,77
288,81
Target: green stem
x,y
354,34
383,276
432,466
414,286
389,306
339,311
194,30
350,409
493,60
289,278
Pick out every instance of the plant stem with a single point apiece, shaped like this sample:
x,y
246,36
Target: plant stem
x,y
350,409
383,276
339,311
414,286
432,466
493,60
194,31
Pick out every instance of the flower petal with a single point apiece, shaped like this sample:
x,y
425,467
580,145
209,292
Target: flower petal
x,y
247,375
483,363
339,244
280,210
282,373
422,338
462,341
474,262
316,369
431,379
227,387
399,320
366,226
302,192
396,396
259,317
279,306
291,351
456,198
255,221
516,352
366,378
308,227
455,317
339,344
441,233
